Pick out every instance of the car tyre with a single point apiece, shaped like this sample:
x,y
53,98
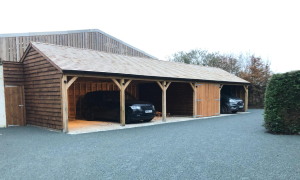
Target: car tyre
x,y
224,109
233,112
89,115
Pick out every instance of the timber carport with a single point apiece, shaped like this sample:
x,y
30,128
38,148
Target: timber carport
x,y
54,78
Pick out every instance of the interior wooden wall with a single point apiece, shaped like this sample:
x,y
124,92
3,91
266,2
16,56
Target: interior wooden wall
x,y
179,97
12,48
42,92
78,89
208,103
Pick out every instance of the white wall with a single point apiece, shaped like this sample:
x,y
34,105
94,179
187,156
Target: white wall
x,y
2,100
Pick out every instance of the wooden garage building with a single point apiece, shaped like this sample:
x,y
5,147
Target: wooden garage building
x,y
52,78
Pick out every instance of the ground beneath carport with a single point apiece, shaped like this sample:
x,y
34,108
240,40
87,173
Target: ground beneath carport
x,y
229,147
84,126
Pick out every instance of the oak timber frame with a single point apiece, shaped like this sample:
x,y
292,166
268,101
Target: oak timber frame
x,y
122,86
164,86
246,97
194,87
120,82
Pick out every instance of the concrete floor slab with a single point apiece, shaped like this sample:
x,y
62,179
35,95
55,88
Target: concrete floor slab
x,y
83,126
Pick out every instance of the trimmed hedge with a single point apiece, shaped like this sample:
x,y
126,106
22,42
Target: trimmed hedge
x,y
282,104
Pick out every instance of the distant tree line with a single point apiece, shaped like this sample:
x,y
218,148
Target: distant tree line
x,y
247,66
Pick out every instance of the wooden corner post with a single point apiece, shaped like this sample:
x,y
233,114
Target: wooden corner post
x,y
64,98
194,87
164,86
246,97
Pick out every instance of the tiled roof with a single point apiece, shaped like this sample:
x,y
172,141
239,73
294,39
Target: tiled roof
x,y
75,59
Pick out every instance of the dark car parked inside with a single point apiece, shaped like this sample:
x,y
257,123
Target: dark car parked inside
x,y
105,105
230,103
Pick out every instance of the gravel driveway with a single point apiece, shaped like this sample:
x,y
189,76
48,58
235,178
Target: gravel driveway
x,y
230,147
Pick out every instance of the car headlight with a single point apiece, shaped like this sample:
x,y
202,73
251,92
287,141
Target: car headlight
x,y
135,107
153,107
232,100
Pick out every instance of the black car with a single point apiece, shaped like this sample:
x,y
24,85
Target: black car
x,y
230,103
106,105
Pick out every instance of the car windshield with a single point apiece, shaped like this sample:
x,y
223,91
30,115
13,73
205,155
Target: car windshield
x,y
128,96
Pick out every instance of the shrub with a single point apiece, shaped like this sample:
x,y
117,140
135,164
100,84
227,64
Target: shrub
x,y
282,104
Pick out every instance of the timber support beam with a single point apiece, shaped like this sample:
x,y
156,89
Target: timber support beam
x,y
71,82
194,87
246,98
122,86
164,86
64,101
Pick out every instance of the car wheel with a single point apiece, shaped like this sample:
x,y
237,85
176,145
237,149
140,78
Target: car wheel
x,y
224,109
233,112
89,115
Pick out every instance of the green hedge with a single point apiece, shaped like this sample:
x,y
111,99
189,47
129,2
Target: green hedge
x,y
282,104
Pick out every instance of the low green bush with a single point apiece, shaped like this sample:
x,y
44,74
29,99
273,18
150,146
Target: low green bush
x,y
282,104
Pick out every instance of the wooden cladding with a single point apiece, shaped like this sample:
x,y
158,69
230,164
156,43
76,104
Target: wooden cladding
x,y
42,84
13,73
78,89
208,99
12,48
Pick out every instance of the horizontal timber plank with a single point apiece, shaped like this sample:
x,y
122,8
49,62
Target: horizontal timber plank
x,y
27,97
44,113
33,105
45,121
34,60
47,77
42,66
42,85
43,109
42,93
41,74
53,118
47,89
44,101
40,70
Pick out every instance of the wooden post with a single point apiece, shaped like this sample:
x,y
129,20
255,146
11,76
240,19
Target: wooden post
x,y
221,85
164,88
64,100
164,102
122,86
194,99
122,102
246,97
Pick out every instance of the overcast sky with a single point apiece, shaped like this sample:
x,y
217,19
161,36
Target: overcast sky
x,y
270,29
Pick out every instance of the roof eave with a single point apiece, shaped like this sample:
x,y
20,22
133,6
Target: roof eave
x,y
74,72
